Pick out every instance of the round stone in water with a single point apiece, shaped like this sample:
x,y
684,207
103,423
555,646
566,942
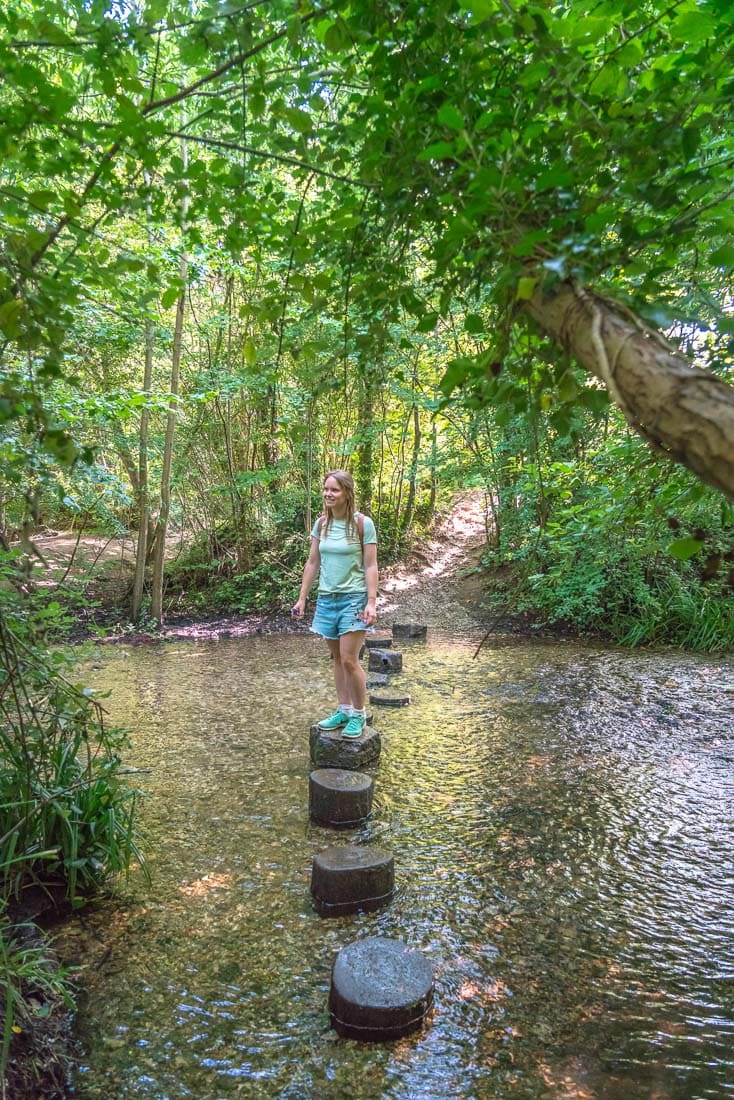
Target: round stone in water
x,y
389,699
330,750
350,878
409,630
340,797
386,660
380,989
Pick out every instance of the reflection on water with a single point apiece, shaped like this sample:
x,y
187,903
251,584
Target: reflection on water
x,y
562,827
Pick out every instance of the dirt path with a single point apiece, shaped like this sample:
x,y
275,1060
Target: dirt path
x,y
436,585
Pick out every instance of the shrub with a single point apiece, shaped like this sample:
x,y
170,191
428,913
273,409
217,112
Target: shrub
x,y
67,817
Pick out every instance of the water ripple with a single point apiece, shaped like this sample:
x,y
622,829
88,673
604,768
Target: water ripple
x,y
563,827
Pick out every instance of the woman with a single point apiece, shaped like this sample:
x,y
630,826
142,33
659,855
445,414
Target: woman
x,y
344,554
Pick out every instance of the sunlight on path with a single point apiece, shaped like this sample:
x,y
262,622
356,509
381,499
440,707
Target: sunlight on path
x,y
423,587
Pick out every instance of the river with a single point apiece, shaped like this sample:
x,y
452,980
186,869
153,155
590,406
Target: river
x,y
562,821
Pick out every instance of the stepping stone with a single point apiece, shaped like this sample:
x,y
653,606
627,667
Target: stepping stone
x,y
383,699
382,660
409,630
340,797
380,989
377,679
378,643
352,878
330,750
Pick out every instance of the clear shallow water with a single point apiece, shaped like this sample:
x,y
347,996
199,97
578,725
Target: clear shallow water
x,y
562,821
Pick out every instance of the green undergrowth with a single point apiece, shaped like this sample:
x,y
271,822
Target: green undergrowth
x,y
222,572
634,572
67,812
36,999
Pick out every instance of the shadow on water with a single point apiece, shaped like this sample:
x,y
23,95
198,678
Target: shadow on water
x,y
562,827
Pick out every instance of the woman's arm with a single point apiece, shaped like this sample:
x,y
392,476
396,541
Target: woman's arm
x,y
370,575
310,572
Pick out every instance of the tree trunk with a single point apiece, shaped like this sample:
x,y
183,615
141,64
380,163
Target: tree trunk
x,y
683,412
412,472
271,445
156,602
142,500
365,451
431,508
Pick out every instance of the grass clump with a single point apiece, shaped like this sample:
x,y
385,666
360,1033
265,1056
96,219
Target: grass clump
x,y
67,820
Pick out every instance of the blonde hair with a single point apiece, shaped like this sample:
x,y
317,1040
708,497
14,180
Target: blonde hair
x,y
346,482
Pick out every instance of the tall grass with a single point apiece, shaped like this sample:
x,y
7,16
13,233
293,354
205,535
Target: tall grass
x,y
65,813
25,966
67,816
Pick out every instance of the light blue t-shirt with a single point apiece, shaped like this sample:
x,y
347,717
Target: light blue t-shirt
x,y
342,569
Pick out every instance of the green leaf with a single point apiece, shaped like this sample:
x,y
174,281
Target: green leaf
x,y
473,324
250,352
479,10
450,116
155,10
170,296
299,120
42,199
683,549
438,151
589,29
560,176
455,373
10,317
336,37
723,256
525,288
631,53
427,323
567,388
693,26
256,104
656,313
609,81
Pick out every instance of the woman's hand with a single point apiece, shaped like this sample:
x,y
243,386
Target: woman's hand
x,y
298,609
369,615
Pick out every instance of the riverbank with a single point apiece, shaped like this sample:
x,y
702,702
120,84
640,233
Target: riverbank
x,y
441,583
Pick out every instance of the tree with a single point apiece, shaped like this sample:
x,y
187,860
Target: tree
x,y
161,527
578,165
570,153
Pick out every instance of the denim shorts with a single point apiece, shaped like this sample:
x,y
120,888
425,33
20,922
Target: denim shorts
x,y
339,613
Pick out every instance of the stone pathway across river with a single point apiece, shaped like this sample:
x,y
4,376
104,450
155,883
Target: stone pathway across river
x,y
381,988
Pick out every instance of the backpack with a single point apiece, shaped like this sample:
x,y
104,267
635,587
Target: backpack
x,y
359,520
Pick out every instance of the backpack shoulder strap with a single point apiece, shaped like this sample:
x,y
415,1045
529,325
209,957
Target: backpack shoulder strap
x,y
359,518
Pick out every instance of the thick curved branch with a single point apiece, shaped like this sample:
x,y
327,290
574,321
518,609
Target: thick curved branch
x,y
682,411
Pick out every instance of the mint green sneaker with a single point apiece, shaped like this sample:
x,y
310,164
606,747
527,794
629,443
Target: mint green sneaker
x,y
335,721
355,726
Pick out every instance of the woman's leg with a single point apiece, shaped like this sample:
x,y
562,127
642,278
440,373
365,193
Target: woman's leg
x,y
351,669
343,691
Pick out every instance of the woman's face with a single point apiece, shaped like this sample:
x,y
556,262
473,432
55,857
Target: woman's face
x,y
335,496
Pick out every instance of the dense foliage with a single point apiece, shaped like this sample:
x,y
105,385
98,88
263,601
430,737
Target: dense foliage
x,y
245,243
